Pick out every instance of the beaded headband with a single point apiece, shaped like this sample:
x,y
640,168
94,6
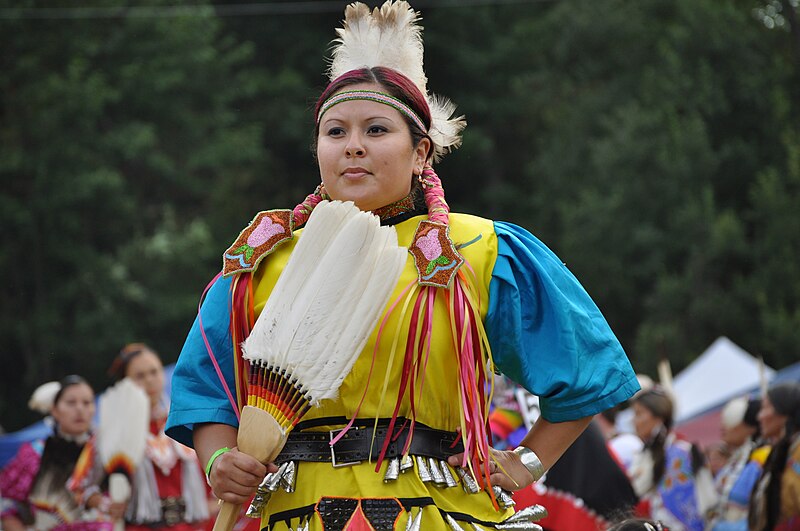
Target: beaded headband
x,y
372,95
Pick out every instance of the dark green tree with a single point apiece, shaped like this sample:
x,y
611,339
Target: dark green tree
x,y
640,130
653,145
119,136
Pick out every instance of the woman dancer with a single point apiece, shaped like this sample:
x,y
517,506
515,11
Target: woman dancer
x,y
741,433
775,504
474,295
168,489
669,476
34,483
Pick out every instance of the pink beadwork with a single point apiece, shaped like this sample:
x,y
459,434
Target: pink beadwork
x,y
265,230
429,245
17,477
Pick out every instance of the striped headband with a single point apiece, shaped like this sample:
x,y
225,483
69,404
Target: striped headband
x,y
372,95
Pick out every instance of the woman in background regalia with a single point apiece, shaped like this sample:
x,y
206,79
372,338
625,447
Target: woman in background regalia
x,y
670,475
168,490
34,483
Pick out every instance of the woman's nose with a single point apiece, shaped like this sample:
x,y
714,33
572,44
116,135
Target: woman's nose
x,y
354,147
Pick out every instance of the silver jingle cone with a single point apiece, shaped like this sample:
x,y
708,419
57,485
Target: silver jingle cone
x,y
423,470
503,497
406,463
275,480
519,526
414,522
467,481
289,478
258,504
392,470
449,479
531,513
452,523
436,472
260,499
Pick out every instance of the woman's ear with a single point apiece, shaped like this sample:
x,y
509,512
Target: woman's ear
x,y
421,152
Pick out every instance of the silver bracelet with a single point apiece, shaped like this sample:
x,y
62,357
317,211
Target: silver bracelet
x,y
531,461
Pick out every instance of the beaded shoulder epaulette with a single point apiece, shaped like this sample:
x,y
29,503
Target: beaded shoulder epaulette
x,y
435,257
263,235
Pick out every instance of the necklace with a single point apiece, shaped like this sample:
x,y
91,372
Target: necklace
x,y
411,205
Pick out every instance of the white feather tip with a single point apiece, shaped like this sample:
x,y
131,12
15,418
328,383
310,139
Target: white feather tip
x,y
446,129
123,423
43,398
386,36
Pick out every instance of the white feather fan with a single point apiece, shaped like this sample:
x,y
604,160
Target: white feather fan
x,y
122,437
328,299
314,325
123,426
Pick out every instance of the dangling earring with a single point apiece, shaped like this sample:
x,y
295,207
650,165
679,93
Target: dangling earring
x,y
420,176
320,191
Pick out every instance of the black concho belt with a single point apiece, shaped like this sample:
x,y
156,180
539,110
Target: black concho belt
x,y
354,446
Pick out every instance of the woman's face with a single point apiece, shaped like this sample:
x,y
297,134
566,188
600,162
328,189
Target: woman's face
x,y
147,372
735,436
772,423
74,410
644,421
365,152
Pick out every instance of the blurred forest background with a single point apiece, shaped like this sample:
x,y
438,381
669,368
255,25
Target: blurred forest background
x,y
654,145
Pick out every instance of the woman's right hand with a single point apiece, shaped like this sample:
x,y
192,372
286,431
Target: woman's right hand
x,y
235,476
116,510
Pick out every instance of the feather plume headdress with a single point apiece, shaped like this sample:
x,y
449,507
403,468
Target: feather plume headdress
x,y
44,397
390,36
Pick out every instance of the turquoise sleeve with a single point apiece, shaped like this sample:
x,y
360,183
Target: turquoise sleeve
x,y
198,395
548,335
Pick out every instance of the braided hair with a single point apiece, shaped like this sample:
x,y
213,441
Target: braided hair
x,y
658,402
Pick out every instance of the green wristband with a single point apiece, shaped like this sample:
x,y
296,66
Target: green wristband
x,y
214,458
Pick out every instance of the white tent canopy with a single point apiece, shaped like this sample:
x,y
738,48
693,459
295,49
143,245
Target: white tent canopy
x,y
722,372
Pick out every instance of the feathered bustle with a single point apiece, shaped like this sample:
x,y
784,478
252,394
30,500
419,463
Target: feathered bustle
x,y
390,36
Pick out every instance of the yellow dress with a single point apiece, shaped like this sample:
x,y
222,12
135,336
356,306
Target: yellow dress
x,y
545,333
438,407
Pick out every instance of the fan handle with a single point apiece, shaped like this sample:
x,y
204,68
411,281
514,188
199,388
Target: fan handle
x,y
261,437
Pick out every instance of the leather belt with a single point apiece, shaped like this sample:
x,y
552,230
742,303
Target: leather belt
x,y
354,446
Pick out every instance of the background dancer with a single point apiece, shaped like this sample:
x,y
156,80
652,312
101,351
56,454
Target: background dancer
x,y
168,490
34,483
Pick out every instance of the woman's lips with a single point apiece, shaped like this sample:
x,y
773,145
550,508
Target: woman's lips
x,y
354,173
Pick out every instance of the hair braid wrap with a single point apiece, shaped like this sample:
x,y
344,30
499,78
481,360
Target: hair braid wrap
x,y
438,209
304,209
